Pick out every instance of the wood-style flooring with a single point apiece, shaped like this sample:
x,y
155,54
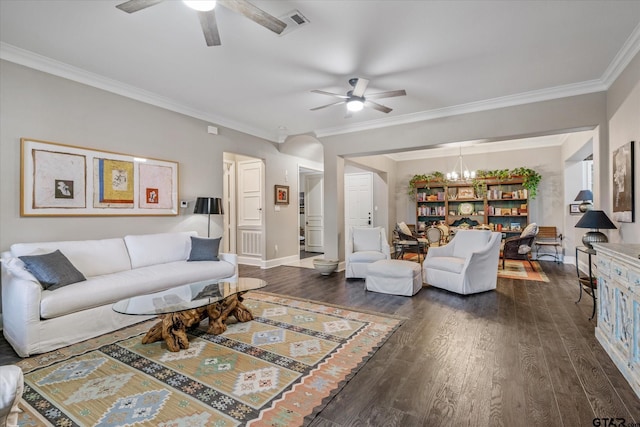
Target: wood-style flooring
x,y
523,355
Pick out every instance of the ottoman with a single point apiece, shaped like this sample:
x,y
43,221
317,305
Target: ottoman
x,y
392,276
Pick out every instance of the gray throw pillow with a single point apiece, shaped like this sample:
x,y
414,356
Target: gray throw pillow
x,y
53,270
203,249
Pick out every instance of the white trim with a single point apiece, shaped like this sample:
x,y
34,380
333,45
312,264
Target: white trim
x,y
42,63
257,262
276,262
546,94
32,60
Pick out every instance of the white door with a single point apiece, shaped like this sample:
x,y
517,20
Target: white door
x,y
250,208
314,213
229,207
358,202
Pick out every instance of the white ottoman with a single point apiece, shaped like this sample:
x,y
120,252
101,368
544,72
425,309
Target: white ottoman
x,y
11,386
396,277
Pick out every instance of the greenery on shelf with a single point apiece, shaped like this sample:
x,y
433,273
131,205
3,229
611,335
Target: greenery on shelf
x,y
530,180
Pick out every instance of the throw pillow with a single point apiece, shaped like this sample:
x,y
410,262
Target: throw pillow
x,y
530,230
404,228
203,249
53,270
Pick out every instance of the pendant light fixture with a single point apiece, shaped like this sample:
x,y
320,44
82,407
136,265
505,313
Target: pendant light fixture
x,y
461,167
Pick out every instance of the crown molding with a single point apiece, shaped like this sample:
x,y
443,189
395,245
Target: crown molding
x,y
547,94
42,63
629,50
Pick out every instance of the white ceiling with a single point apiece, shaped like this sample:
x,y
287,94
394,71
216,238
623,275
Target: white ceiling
x,y
450,56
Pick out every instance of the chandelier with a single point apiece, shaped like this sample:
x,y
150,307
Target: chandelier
x,y
461,166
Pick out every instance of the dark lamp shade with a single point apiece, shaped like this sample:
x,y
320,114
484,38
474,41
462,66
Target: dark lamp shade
x,y
595,220
584,195
208,205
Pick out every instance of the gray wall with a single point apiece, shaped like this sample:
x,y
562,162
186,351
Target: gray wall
x,y
37,105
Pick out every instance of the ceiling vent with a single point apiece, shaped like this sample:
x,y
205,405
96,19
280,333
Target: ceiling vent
x,y
294,21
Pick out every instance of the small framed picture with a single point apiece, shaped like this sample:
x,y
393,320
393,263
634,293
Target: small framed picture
x,y
282,194
466,193
574,209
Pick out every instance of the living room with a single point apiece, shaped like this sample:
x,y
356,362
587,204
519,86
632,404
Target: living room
x,y
44,100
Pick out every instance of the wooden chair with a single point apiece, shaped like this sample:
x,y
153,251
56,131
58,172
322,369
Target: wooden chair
x,y
548,237
520,247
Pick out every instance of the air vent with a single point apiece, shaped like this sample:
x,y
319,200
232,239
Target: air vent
x,y
294,21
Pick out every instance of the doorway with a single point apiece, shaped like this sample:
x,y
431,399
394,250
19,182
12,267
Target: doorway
x,y
311,206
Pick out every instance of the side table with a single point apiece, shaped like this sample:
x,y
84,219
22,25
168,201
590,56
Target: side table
x,y
588,283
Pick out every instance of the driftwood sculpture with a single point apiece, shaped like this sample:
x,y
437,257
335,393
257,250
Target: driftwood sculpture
x,y
172,328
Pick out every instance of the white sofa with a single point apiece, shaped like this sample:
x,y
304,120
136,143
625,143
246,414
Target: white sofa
x,y
466,265
37,320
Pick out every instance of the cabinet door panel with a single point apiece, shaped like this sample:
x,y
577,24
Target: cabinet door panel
x,y
605,315
623,321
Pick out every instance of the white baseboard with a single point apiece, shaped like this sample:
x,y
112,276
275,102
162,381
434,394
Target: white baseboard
x,y
268,263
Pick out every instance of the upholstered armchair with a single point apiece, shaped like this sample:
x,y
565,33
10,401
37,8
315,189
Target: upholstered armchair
x,y
519,247
364,246
467,264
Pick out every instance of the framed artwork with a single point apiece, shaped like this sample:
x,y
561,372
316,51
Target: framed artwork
x,y
466,193
282,194
623,181
65,180
574,209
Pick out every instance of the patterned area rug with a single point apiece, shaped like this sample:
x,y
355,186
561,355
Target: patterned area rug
x,y
517,269
514,269
277,370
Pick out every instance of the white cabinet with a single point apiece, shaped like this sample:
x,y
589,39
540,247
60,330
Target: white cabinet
x,y
618,327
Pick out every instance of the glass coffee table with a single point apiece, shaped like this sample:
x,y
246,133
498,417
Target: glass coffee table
x,y
186,306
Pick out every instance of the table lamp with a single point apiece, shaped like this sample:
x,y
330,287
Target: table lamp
x,y
595,220
585,196
208,205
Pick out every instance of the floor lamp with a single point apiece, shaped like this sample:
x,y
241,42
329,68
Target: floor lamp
x,y
208,205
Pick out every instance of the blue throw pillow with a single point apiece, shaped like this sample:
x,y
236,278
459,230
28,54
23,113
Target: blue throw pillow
x,y
53,270
204,249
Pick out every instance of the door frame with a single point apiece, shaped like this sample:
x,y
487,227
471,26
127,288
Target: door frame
x,y
301,186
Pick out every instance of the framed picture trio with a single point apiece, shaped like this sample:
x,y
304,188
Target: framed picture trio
x,y
65,180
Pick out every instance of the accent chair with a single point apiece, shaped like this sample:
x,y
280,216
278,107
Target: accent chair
x,y
365,245
468,264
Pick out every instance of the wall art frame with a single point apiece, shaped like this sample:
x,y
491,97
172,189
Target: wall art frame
x,y
574,209
623,165
66,180
281,194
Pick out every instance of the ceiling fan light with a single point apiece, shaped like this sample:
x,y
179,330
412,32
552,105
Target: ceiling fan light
x,y
355,105
201,5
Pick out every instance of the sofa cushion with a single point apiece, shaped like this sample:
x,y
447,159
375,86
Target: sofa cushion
x,y
91,257
53,270
108,289
366,256
445,263
366,239
530,230
204,249
151,249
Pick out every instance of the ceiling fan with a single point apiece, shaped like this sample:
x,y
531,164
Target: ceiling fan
x,y
207,15
356,100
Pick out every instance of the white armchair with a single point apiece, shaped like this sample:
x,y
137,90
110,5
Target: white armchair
x,y
364,246
466,265
11,386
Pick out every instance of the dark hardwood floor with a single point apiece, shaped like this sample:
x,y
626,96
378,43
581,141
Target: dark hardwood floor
x,y
524,355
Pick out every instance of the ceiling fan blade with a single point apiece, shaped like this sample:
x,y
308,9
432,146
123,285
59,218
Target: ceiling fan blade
x,y
377,106
322,92
254,13
388,94
136,5
209,27
328,105
360,87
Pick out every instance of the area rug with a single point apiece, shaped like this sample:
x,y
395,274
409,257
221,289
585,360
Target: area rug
x,y
280,369
514,269
518,269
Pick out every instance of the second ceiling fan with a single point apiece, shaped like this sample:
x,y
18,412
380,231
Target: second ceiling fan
x,y
356,100
207,15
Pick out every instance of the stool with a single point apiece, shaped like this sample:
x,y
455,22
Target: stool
x,y
395,277
11,386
